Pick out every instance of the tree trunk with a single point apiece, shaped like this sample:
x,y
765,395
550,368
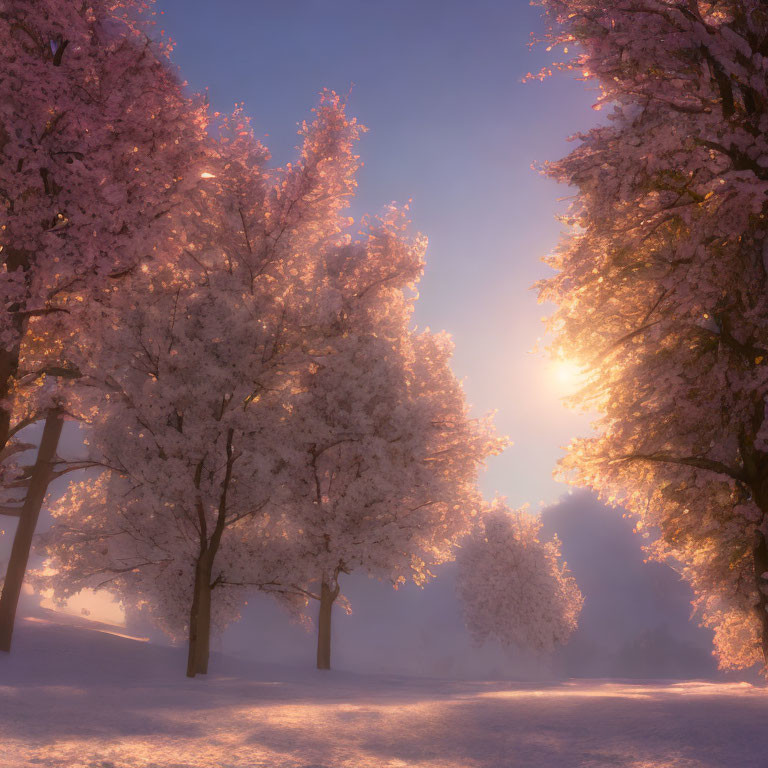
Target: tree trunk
x,y
22,541
327,596
200,619
760,560
9,366
15,259
200,614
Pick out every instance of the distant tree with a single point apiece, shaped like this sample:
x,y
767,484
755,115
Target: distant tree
x,y
662,290
391,454
513,587
98,146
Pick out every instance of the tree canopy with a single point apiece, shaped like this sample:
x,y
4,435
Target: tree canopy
x,y
661,285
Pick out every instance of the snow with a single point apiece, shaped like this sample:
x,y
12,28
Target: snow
x,y
86,695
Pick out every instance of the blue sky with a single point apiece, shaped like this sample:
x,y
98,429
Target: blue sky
x,y
452,127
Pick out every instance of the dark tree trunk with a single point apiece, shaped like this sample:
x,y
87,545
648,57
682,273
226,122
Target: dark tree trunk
x,y
760,561
200,613
327,596
22,541
9,366
15,259
200,619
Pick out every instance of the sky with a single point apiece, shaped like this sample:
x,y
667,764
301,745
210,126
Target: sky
x,y
451,128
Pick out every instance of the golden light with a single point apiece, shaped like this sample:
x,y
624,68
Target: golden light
x,y
93,605
567,375
206,175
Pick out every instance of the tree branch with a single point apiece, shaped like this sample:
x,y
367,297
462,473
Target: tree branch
x,y
697,462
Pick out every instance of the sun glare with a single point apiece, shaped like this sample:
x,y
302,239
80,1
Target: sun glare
x,y
95,606
567,375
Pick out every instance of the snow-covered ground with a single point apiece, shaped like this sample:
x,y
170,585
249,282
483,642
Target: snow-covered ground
x,y
74,695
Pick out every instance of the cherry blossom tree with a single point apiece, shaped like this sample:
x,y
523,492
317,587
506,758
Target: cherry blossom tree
x,y
514,588
199,364
98,149
391,454
662,292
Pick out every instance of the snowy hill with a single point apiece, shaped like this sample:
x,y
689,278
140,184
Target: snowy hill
x,y
76,694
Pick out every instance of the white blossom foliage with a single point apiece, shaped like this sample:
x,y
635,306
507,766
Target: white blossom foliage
x,y
189,372
99,150
515,588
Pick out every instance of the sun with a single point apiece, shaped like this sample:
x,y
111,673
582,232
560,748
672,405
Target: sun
x,y
567,375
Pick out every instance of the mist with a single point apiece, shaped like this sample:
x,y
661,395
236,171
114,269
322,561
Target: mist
x,y
635,622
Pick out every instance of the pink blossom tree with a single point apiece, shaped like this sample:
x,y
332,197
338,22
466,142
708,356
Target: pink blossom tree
x,y
662,291
190,380
98,147
514,588
390,454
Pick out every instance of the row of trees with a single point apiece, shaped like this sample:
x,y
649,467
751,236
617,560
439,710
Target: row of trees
x,y
261,414
272,421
